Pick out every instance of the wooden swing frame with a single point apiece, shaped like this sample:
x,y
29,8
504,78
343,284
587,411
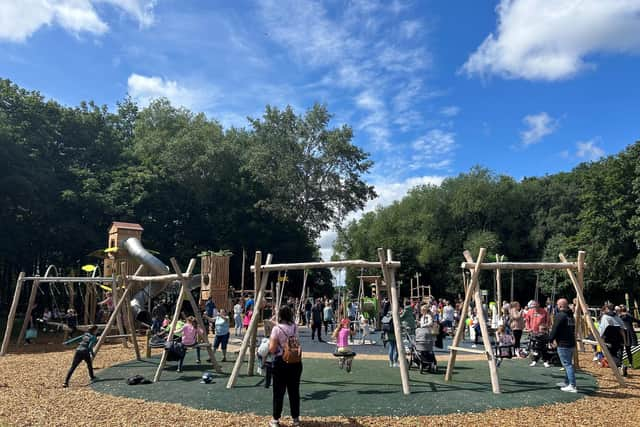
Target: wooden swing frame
x,y
473,291
261,274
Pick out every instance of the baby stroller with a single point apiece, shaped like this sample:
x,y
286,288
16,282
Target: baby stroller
x,y
421,350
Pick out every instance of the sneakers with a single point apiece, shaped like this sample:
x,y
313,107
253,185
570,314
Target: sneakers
x,y
296,422
533,363
65,385
498,362
198,361
562,384
546,365
569,389
391,364
473,346
274,423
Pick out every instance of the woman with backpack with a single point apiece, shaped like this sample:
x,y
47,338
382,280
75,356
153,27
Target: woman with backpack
x,y
284,344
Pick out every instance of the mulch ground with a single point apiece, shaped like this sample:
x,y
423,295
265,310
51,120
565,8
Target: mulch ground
x,y
31,393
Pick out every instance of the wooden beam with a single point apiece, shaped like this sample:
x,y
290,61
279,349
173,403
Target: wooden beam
x,y
457,339
132,326
325,264
69,279
522,265
12,315
389,277
260,281
258,303
582,303
27,317
111,320
194,306
468,350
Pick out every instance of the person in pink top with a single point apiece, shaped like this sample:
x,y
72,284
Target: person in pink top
x,y
343,352
190,333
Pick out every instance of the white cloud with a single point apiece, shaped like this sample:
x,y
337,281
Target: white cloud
x,y
410,28
433,150
388,192
21,18
538,126
551,40
589,150
450,111
141,10
144,89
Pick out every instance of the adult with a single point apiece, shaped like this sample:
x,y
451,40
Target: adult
x,y
221,327
516,322
307,312
248,305
448,315
611,329
237,318
316,320
632,338
351,314
408,319
563,333
157,316
211,312
286,376
535,317
386,306
327,317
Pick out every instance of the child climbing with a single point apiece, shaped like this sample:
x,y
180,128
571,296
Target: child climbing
x,y
84,351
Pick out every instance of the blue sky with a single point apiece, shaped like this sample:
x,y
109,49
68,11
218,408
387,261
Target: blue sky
x,y
431,88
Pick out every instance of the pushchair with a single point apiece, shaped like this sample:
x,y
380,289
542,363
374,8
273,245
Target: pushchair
x,y
421,350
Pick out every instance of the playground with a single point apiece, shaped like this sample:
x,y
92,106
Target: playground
x,y
477,389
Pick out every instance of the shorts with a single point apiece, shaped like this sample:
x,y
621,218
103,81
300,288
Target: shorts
x,y
221,340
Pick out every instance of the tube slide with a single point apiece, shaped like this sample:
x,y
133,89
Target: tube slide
x,y
139,301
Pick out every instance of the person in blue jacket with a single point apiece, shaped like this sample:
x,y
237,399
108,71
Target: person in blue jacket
x,y
84,351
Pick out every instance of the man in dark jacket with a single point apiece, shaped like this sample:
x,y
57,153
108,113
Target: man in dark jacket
x,y
563,333
316,320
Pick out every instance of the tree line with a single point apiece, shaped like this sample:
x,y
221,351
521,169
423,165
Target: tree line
x,y
67,172
595,207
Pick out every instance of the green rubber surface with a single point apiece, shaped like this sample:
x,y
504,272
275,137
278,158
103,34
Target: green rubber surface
x,y
372,388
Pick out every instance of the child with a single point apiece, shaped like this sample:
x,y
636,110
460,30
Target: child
x,y
190,333
539,346
364,327
46,317
247,318
72,321
221,328
84,351
265,361
505,344
343,351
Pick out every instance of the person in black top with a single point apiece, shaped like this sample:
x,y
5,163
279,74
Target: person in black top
x,y
316,320
307,312
84,351
564,334
632,339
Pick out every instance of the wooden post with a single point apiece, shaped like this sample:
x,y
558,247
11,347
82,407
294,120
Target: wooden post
x,y
277,304
112,319
244,259
27,317
259,296
389,277
582,303
493,370
499,285
511,289
12,314
131,324
147,352
261,281
469,293
579,322
172,329
302,298
184,279
115,290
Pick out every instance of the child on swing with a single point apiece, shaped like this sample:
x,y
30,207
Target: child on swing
x,y
343,351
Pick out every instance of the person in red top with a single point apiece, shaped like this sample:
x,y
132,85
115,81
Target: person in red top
x,y
535,316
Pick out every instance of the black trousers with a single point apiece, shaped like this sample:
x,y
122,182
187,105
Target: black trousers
x,y
316,326
517,335
286,378
78,357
